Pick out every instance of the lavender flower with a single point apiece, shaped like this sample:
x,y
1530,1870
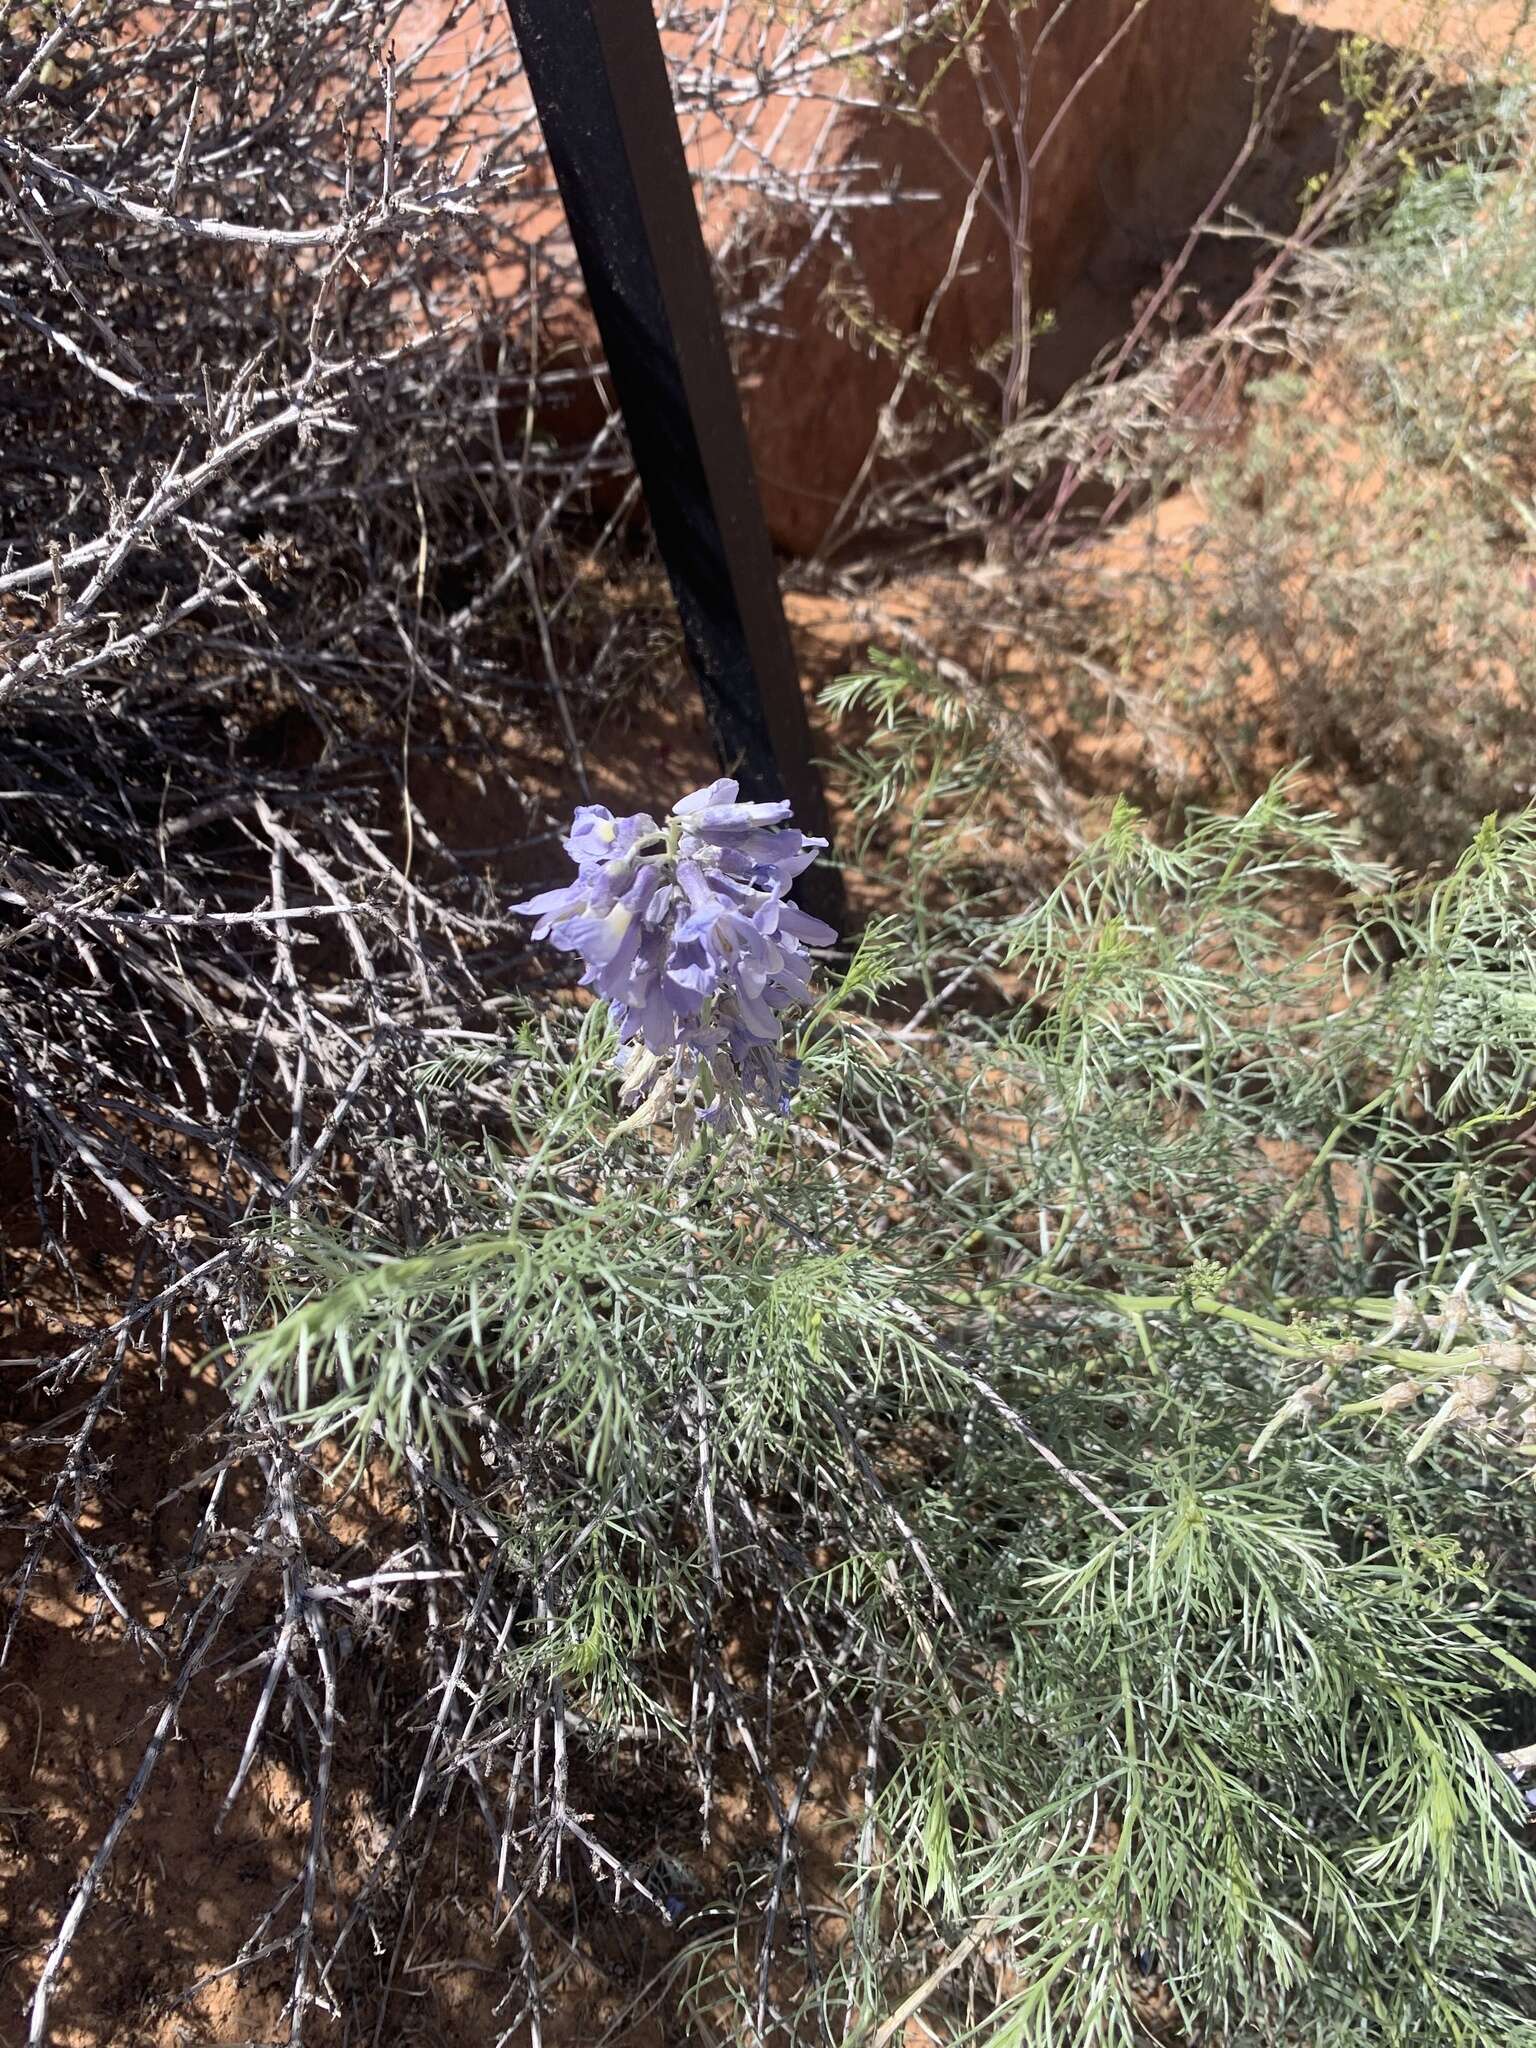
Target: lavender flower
x,y
688,934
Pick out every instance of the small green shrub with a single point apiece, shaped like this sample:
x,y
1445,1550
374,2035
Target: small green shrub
x,y
1356,590
987,1441
1359,605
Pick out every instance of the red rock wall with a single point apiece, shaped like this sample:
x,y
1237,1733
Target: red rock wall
x,y
937,185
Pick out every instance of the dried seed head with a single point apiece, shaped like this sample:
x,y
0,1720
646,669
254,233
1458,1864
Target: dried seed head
x,y
1401,1394
1506,1358
1406,1314
1474,1394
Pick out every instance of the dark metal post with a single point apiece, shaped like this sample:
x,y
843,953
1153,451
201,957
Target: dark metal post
x,y
604,99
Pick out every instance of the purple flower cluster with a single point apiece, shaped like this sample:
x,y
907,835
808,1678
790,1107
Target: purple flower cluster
x,y
688,933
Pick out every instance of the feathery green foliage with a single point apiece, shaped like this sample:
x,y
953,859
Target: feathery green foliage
x,y
1002,1389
